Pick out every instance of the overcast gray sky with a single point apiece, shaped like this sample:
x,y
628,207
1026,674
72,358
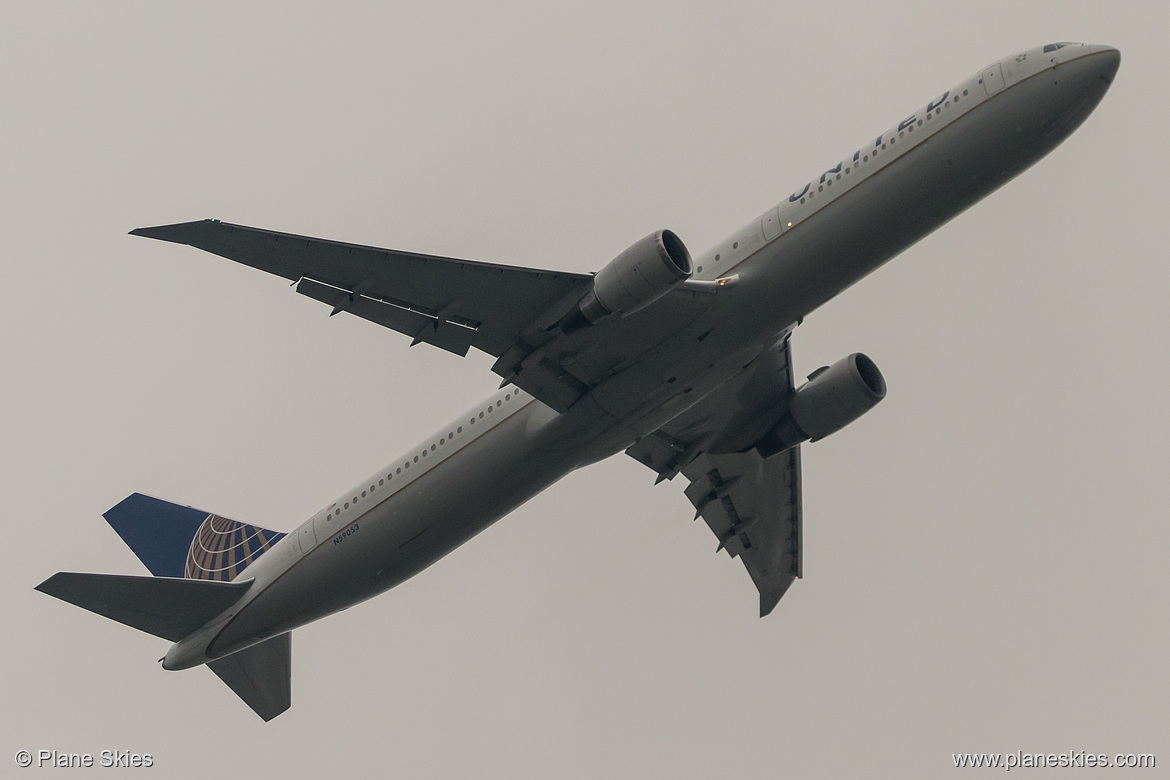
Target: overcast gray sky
x,y
985,553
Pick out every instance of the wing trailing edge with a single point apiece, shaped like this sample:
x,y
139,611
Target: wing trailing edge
x,y
750,502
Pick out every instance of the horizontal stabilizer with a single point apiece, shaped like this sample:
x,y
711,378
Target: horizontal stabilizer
x,y
260,675
162,606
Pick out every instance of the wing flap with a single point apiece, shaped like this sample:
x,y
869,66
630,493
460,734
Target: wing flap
x,y
751,503
422,326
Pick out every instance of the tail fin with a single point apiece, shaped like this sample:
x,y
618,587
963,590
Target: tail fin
x,y
261,675
172,608
165,607
195,557
179,541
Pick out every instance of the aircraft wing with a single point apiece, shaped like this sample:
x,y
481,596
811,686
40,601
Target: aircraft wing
x,y
505,311
751,503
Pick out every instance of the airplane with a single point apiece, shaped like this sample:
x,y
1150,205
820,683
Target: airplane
x,y
682,363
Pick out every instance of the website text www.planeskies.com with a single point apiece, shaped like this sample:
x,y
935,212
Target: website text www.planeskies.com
x,y
1070,759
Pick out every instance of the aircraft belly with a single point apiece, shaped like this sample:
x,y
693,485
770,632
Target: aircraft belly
x,y
425,520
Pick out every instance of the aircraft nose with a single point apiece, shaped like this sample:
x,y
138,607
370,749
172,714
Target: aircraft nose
x,y
1083,82
1106,61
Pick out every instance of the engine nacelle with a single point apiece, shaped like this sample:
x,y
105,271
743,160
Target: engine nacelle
x,y
637,277
832,398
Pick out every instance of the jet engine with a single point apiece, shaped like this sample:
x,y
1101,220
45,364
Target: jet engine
x,y
634,279
833,397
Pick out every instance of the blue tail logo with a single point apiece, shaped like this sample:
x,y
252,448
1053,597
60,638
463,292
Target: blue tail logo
x,y
180,541
222,548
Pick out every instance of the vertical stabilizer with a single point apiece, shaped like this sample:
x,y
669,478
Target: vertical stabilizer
x,y
180,541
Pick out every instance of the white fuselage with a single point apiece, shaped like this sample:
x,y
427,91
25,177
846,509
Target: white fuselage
x,y
893,190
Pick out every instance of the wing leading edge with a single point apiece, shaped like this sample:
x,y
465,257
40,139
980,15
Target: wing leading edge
x,y
508,312
453,304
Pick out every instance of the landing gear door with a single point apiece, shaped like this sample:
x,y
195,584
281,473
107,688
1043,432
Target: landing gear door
x,y
992,79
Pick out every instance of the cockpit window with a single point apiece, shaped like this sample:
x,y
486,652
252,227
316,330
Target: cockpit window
x,y
1055,46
